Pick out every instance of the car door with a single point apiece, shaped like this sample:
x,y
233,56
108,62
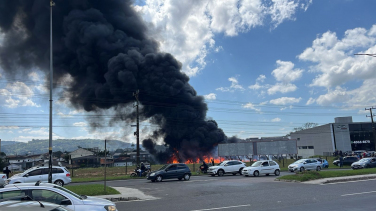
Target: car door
x,y
171,172
237,165
314,164
181,170
229,167
373,162
265,168
33,176
44,175
51,197
273,166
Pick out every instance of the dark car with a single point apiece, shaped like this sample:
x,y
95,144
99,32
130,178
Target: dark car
x,y
346,160
364,163
171,171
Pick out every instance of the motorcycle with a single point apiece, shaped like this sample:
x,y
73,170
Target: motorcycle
x,y
136,173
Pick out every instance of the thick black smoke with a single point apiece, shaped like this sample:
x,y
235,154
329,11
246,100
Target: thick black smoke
x,y
104,47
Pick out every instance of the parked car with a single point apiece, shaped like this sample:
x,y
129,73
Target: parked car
x,y
305,164
170,171
60,176
364,163
3,178
51,193
262,167
22,205
227,167
324,162
347,160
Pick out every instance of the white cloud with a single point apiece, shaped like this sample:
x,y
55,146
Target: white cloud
x,y
9,127
310,101
283,88
17,94
252,107
276,120
285,100
80,124
34,76
187,29
285,72
261,78
234,86
256,86
210,96
41,133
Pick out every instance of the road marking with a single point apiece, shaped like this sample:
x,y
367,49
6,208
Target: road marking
x,y
201,180
220,208
352,194
333,183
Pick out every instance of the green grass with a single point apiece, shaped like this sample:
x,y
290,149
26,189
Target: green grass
x,y
312,175
92,190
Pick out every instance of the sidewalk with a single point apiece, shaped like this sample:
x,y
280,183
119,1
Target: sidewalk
x,y
342,179
127,194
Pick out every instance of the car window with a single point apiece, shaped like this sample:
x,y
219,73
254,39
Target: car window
x,y
35,172
45,171
265,164
230,163
47,196
272,163
57,171
182,166
172,167
11,194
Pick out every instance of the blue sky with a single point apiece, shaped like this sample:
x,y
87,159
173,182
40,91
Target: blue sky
x,y
265,67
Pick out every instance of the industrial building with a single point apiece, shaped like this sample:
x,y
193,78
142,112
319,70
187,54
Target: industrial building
x,y
343,134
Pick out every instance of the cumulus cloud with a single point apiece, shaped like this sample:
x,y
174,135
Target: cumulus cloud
x,y
276,120
281,87
17,94
251,107
34,76
310,101
187,29
284,74
235,86
285,100
210,96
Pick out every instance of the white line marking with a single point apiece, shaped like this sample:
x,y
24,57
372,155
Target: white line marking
x,y
333,183
220,208
352,194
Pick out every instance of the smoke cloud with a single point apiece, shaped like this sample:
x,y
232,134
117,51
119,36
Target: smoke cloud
x,y
104,48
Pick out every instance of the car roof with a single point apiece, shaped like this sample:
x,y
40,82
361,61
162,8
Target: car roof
x,y
29,185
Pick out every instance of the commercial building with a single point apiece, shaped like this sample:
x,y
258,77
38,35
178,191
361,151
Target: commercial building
x,y
343,134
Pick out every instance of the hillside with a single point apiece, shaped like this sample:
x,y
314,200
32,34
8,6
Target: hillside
x,y
41,146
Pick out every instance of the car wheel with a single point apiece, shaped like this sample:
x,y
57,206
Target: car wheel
x,y
256,173
301,169
240,171
59,183
186,177
318,168
159,178
277,172
221,173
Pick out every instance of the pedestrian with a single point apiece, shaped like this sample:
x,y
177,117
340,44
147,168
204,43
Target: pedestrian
x,y
212,160
143,168
364,154
340,153
340,162
7,171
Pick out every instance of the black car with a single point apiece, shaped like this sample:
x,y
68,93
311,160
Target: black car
x,y
346,160
171,171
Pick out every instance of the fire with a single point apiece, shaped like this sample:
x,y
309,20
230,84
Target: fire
x,y
207,159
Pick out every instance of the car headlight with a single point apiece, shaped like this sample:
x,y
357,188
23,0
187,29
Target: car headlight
x,y
110,208
152,174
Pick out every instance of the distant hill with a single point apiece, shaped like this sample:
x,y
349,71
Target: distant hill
x,y
37,146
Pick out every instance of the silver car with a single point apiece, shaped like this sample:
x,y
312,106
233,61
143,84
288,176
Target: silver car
x,y
51,193
305,164
21,205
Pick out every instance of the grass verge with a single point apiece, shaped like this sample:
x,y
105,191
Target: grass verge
x,y
312,175
92,190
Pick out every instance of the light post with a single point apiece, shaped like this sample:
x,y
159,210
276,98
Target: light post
x,y
51,82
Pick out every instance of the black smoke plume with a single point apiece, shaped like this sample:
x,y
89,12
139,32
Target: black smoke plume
x,y
103,46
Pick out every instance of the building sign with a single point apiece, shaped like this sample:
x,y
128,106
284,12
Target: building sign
x,y
361,142
342,127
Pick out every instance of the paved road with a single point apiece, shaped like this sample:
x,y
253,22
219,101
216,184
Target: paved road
x,y
248,193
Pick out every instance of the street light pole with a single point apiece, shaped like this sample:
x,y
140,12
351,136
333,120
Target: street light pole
x,y
51,87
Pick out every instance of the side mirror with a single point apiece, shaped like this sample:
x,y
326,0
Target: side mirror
x,y
166,170
305,163
66,202
26,175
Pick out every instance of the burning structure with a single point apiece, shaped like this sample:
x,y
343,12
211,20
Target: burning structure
x,y
104,48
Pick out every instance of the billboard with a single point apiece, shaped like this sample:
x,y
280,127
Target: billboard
x,y
258,148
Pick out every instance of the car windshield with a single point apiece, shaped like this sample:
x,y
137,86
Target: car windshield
x,y
221,164
258,163
300,161
364,160
164,167
68,191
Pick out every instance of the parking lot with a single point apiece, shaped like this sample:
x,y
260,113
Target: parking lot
x,y
245,193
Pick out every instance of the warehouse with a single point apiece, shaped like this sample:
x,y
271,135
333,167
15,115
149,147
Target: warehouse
x,y
343,134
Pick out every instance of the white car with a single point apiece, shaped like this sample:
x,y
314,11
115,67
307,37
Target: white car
x,y
227,167
3,178
22,205
305,164
51,193
60,176
262,167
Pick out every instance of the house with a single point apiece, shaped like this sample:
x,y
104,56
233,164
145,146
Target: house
x,y
80,152
22,163
85,161
123,161
144,156
109,161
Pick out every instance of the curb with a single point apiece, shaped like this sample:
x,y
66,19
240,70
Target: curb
x,y
122,199
285,180
349,179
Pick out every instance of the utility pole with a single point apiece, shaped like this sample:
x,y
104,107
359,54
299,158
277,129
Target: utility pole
x,y
137,133
373,127
105,164
51,87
